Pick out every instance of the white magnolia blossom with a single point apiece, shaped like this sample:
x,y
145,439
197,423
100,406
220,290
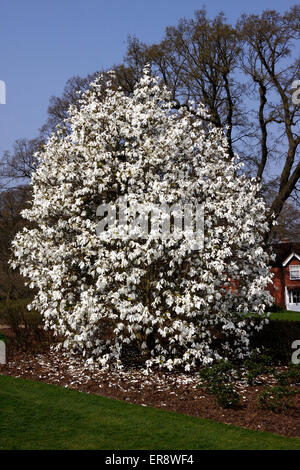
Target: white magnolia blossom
x,y
100,293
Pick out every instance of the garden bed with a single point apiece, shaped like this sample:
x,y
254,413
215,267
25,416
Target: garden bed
x,y
167,390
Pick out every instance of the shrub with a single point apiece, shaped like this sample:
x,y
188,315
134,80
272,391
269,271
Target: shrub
x,y
258,364
26,325
216,374
276,308
277,337
277,399
226,396
216,381
290,376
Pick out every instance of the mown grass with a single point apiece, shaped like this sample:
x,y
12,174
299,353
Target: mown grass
x,y
34,415
285,315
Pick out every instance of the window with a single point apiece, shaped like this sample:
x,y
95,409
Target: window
x,y
295,272
294,296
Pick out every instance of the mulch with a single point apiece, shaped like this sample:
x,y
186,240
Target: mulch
x,y
173,391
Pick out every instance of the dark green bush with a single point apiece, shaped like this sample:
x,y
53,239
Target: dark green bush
x,y
216,374
277,337
277,399
226,396
258,364
217,380
25,324
276,308
290,376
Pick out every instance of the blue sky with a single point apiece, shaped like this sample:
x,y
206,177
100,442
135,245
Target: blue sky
x,y
43,43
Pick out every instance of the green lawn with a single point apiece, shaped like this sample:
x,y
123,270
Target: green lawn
x,y
287,315
35,415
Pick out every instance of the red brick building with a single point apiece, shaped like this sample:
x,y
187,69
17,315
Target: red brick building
x,y
286,281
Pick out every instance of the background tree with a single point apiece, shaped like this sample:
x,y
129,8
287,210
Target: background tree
x,y
197,60
12,202
244,76
17,166
268,60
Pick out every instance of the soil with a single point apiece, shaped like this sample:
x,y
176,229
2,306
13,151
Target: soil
x,y
180,392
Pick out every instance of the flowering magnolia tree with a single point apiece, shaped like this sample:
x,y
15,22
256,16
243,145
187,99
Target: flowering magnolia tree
x,y
101,290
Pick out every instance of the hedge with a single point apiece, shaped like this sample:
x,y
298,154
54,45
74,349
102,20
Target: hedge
x,y
277,338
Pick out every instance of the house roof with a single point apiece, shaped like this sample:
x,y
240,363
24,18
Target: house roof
x,y
283,252
289,258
